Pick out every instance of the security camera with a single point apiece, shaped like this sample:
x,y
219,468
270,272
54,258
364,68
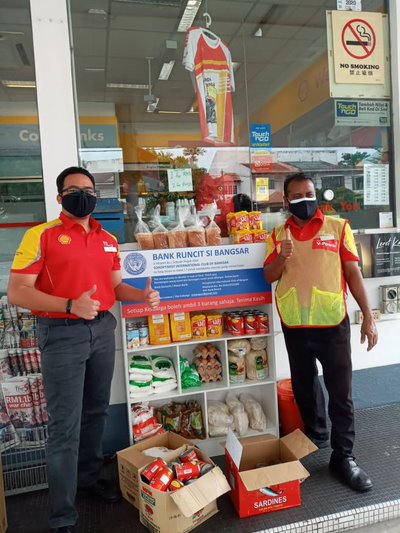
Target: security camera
x,y
152,107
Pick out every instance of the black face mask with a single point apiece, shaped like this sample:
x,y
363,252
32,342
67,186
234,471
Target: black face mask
x,y
304,208
80,204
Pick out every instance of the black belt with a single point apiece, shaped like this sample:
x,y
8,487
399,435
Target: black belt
x,y
70,321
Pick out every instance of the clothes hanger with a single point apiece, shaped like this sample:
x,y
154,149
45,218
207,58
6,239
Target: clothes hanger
x,y
208,24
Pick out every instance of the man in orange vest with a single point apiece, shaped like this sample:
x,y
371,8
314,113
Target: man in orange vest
x,y
314,259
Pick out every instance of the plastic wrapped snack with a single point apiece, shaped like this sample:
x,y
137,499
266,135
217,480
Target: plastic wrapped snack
x,y
254,411
258,343
239,347
142,231
160,232
237,410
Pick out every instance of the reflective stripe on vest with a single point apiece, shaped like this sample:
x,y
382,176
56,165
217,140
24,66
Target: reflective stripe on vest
x,y
310,291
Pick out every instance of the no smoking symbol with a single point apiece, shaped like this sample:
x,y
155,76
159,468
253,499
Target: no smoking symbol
x,y
358,39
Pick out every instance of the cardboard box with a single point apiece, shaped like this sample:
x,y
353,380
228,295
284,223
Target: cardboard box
x,y
270,488
188,507
131,459
3,513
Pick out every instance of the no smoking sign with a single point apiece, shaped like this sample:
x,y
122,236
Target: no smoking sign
x,y
358,47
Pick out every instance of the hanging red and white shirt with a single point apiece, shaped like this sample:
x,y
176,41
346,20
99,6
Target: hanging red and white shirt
x,y
208,57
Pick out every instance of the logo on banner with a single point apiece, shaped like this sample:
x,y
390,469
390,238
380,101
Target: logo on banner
x,y
135,263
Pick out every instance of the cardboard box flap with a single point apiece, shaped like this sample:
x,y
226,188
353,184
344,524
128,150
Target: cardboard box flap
x,y
206,489
273,475
299,444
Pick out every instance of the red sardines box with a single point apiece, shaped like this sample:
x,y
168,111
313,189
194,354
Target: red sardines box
x,y
264,472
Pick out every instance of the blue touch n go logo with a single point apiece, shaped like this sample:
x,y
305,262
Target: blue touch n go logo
x,y
135,263
346,109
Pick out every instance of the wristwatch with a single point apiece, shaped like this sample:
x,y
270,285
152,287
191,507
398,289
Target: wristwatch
x,y
68,308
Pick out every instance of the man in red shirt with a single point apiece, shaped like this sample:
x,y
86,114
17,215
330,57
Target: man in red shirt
x,y
68,272
314,258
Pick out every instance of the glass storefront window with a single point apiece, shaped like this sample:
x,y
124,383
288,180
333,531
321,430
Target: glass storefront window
x,y
144,77
21,184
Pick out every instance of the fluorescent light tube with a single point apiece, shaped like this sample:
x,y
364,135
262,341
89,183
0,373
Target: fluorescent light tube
x,y
166,70
127,86
189,15
19,84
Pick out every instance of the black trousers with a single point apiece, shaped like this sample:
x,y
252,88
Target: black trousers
x,y
331,346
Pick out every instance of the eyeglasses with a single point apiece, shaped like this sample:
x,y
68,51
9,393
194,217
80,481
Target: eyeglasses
x,y
77,190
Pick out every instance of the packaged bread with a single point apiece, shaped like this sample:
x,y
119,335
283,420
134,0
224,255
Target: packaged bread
x,y
196,236
177,237
237,368
160,232
213,231
142,231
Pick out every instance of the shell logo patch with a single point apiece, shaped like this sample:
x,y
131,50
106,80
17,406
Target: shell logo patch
x,y
64,239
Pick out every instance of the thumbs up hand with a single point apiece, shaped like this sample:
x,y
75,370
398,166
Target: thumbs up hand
x,y
150,296
84,306
287,246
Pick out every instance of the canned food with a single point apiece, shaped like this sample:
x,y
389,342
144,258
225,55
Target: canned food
x,y
237,325
175,485
143,334
187,471
150,471
188,456
205,467
162,479
250,324
262,323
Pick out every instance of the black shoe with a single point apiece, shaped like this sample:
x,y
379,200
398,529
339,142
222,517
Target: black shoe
x,y
63,529
103,489
349,471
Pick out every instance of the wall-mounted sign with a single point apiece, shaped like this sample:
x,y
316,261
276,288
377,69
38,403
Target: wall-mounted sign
x,y
376,184
362,113
385,248
261,160
358,54
180,179
260,135
98,160
262,189
358,47
349,5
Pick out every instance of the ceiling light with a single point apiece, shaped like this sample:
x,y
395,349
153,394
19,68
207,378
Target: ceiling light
x,y
166,70
93,69
189,15
191,110
19,84
127,86
258,33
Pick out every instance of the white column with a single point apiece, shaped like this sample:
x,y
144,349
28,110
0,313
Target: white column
x,y
394,24
55,94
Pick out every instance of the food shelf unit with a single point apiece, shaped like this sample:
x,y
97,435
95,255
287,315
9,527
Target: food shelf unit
x,y
265,391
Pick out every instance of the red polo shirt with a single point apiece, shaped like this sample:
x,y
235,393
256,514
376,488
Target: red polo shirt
x,y
68,261
347,250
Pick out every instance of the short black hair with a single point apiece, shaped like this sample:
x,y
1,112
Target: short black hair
x,y
72,170
298,176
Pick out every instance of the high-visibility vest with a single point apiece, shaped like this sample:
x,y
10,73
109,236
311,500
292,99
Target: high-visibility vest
x,y
311,290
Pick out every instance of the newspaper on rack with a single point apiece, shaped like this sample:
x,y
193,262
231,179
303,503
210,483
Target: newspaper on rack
x,y
19,406
8,434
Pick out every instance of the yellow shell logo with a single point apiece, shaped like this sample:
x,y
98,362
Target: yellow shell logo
x,y
64,239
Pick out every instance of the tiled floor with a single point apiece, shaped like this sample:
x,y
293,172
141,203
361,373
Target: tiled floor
x,y
327,505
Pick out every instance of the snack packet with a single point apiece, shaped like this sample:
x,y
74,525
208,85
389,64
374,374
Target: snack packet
x,y
213,231
177,237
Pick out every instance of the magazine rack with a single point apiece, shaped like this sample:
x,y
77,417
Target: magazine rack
x,y
24,465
